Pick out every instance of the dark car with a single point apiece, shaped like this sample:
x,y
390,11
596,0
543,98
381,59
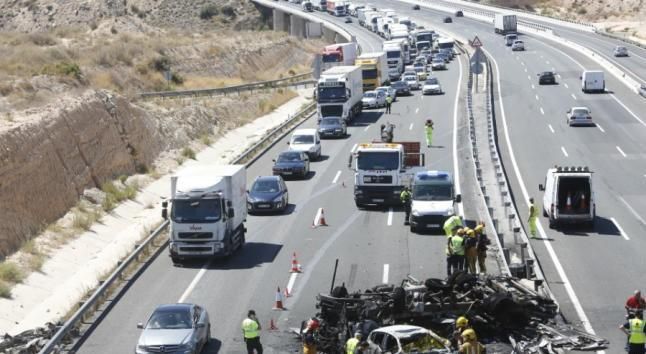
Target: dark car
x,y
332,127
401,87
267,194
291,163
546,78
348,20
448,19
177,328
459,13
642,90
442,56
415,7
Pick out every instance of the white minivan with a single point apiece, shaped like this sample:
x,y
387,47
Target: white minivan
x,y
569,196
593,81
307,141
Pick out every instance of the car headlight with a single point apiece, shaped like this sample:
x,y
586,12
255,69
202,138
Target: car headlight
x,y
140,349
415,212
450,211
174,249
278,199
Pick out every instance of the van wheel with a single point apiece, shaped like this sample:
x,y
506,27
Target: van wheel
x,y
545,213
552,223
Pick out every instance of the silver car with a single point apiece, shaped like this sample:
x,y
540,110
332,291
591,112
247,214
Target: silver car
x,y
620,51
579,116
389,91
175,328
518,46
412,81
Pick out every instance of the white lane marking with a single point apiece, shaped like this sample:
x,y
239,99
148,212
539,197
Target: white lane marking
x,y
536,97
194,282
410,127
621,151
416,110
635,214
548,246
542,111
600,128
566,86
522,63
553,69
529,78
533,87
559,76
354,148
384,278
564,152
290,283
390,217
629,111
336,177
573,96
525,69
456,167
366,129
547,62
552,129
621,231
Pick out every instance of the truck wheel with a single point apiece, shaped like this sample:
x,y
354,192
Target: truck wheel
x,y
545,213
413,229
552,223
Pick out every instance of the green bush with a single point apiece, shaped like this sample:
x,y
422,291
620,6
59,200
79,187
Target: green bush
x,y
229,11
208,12
9,272
161,63
188,153
5,290
63,68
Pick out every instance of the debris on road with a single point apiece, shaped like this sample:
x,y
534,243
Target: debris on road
x,y
31,341
504,311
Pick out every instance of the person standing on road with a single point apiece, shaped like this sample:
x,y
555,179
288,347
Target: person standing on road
x,y
451,223
533,215
429,132
251,333
635,303
456,247
483,242
389,101
449,253
634,329
352,343
470,251
405,197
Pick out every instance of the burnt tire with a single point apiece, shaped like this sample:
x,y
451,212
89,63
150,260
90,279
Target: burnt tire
x,y
399,300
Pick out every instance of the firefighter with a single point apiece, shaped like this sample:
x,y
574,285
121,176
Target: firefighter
x,y
405,198
461,324
470,251
470,344
451,223
483,242
251,332
352,343
533,215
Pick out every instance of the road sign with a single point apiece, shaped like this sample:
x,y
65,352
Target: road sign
x,y
476,43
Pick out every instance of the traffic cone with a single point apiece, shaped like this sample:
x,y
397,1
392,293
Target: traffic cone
x,y
287,294
322,219
272,325
568,202
583,204
296,267
279,300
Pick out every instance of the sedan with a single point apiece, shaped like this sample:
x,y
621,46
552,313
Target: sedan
x,y
438,64
518,46
389,91
421,72
291,163
373,99
267,194
432,86
547,78
176,328
642,90
412,81
579,116
332,127
620,51
448,19
401,88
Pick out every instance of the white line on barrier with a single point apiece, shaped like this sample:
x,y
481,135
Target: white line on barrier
x,y
621,151
632,211
456,167
354,148
542,111
564,152
336,177
566,86
573,96
390,217
552,129
600,128
384,278
621,230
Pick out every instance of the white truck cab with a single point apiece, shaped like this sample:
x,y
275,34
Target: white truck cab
x,y
433,200
569,196
307,141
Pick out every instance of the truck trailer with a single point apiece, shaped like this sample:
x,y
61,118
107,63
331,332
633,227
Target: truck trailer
x,y
336,7
339,92
505,23
395,52
374,69
207,212
338,54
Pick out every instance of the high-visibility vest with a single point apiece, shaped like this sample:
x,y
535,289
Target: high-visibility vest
x,y
351,345
250,328
637,335
457,245
472,348
533,213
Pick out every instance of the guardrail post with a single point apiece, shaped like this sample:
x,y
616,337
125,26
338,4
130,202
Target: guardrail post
x,y
523,248
529,264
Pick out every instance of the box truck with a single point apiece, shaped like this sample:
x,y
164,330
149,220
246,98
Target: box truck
x,y
339,91
338,54
374,69
505,23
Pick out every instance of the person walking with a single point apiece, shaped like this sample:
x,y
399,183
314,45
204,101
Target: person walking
x,y
533,215
251,333
470,251
429,132
405,197
351,344
470,344
389,102
481,247
456,247
634,329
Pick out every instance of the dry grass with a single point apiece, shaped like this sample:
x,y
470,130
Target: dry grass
x,y
82,220
5,290
277,98
10,272
198,82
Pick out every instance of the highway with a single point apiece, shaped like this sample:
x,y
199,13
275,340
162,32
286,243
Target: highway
x,y
373,246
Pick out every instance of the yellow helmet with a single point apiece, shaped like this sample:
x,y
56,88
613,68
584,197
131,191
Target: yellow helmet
x,y
461,231
462,321
471,233
479,228
469,334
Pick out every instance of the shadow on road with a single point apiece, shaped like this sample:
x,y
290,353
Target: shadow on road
x,y
213,347
252,255
366,118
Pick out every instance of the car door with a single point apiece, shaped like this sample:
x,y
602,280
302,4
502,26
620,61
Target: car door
x,y
199,332
391,345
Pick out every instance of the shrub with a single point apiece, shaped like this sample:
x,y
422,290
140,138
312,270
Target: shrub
x,y
9,272
42,39
188,153
5,290
208,12
176,78
161,63
229,11
582,11
63,68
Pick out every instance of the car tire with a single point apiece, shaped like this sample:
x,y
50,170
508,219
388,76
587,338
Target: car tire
x,y
545,213
413,229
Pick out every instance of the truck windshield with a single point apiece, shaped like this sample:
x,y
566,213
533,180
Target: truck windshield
x,y
395,54
445,45
432,192
427,37
196,211
331,92
378,160
331,58
369,74
331,111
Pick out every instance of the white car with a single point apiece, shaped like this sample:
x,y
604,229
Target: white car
x,y
389,91
579,116
438,64
620,51
307,141
373,99
421,72
518,46
411,80
401,339
432,86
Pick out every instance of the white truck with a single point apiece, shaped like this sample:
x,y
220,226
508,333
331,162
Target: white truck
x,y
336,7
207,212
361,15
339,92
338,54
593,81
319,5
395,56
397,30
505,23
371,21
568,196
381,170
307,6
382,25
433,200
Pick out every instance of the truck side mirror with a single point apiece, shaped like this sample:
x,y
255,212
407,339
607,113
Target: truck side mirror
x,y
230,213
165,204
164,214
541,187
229,204
350,161
458,198
140,325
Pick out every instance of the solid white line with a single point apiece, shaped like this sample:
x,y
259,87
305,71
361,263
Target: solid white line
x,y
629,111
416,110
533,87
542,111
290,283
193,283
456,167
600,128
529,78
366,129
410,127
390,217
573,96
548,246
552,129
336,177
621,151
354,148
621,231
635,214
384,278
525,69
566,86
536,97
564,152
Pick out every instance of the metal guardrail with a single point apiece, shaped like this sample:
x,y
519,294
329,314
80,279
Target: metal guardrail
x,y
296,80
247,157
621,38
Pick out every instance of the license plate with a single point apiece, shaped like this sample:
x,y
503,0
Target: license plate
x,y
263,205
432,225
287,172
378,200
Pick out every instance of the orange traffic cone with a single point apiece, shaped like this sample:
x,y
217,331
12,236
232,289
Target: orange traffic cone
x,y
287,294
272,325
322,219
568,202
279,300
296,267
583,204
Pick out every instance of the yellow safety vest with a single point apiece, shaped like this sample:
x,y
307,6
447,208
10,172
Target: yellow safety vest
x,y
637,335
250,328
533,213
457,245
350,345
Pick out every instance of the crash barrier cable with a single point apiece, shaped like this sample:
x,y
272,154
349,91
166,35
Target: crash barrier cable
x,y
247,157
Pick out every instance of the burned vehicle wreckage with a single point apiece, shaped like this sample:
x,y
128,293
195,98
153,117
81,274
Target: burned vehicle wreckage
x,y
509,315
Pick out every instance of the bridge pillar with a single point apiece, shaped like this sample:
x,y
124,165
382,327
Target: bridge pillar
x,y
297,26
280,20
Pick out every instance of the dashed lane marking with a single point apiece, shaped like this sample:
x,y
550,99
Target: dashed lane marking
x,y
552,129
564,152
390,217
600,128
621,151
384,278
542,111
336,177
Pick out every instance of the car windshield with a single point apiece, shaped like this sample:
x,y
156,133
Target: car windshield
x,y
432,81
265,186
195,211
378,160
330,121
303,139
438,61
399,84
170,319
432,192
289,157
369,95
580,112
419,69
420,343
411,78
547,74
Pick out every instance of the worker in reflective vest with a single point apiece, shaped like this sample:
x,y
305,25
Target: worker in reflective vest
x,y
456,247
533,215
251,333
352,343
429,133
451,223
634,328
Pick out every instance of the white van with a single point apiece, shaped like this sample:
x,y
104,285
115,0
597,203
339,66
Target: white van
x,y
307,141
593,81
433,200
569,196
